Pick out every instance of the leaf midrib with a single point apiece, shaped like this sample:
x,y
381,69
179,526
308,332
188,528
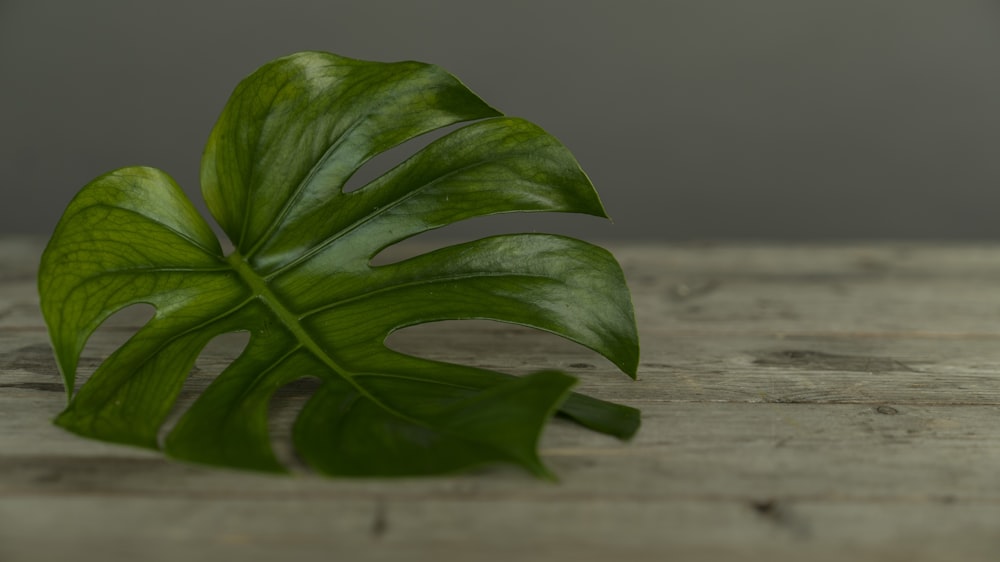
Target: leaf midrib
x,y
260,288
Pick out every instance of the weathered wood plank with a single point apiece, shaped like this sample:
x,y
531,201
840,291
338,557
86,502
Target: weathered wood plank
x,y
720,368
437,528
800,402
686,450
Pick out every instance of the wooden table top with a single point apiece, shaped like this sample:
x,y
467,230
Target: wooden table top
x,y
800,402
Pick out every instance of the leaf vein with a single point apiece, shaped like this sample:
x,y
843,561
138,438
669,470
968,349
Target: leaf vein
x,y
375,213
415,283
209,252
300,188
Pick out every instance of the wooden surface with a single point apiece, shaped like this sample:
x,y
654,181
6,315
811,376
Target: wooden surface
x,y
799,402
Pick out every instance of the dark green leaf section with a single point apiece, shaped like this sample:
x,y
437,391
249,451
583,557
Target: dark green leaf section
x,y
410,423
297,129
302,284
494,166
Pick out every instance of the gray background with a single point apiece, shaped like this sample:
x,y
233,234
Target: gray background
x,y
750,119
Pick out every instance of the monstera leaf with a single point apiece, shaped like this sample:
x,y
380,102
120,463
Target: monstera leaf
x,y
300,279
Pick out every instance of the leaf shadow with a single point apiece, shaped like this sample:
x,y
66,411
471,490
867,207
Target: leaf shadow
x,y
283,410
110,335
213,359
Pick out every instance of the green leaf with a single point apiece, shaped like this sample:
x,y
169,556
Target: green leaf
x,y
300,279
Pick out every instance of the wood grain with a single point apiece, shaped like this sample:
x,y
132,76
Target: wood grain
x,y
810,402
